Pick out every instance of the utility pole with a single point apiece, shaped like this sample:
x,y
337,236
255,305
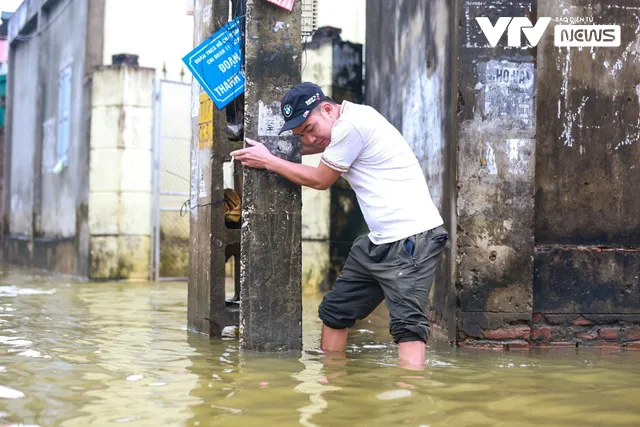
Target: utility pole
x,y
207,311
271,293
270,313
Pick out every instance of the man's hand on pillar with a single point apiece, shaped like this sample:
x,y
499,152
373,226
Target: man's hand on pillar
x,y
256,156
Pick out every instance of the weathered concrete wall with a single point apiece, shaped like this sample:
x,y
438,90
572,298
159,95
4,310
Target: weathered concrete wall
x,y
547,236
159,31
409,79
496,129
46,199
589,152
23,125
587,227
63,47
120,174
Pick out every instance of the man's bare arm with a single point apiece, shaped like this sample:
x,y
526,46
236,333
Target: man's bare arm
x,y
256,155
319,178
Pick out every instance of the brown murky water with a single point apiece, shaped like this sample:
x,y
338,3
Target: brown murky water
x,y
77,354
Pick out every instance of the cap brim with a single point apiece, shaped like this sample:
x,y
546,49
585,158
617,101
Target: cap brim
x,y
293,123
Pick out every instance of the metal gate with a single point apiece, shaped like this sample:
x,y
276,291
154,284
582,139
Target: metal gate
x,y
171,166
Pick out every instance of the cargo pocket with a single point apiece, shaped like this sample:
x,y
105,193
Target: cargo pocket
x,y
432,243
441,238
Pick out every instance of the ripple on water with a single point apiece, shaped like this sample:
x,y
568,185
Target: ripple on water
x,y
13,291
15,341
9,393
394,394
33,353
121,352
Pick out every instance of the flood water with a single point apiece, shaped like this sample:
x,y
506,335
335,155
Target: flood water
x,y
77,354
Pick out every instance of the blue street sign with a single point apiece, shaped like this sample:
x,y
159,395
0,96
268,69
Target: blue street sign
x,y
217,64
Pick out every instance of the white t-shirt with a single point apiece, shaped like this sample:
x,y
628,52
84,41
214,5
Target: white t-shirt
x,y
384,173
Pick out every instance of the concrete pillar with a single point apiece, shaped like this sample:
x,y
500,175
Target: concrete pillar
x,y
209,238
120,172
495,199
271,306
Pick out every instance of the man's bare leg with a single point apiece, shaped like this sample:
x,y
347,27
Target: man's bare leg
x,y
334,339
411,354
334,343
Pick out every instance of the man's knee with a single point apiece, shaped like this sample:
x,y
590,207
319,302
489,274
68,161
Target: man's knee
x,y
333,314
408,319
403,331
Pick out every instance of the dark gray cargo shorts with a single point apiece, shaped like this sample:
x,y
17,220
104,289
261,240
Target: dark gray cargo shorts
x,y
401,273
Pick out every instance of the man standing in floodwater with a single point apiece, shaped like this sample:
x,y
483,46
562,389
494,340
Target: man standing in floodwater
x,y
397,260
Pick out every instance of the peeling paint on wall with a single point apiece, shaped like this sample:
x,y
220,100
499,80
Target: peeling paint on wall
x,y
270,120
513,156
570,120
489,159
423,109
206,14
48,145
508,91
195,173
198,189
195,99
596,95
564,92
66,57
202,188
623,143
422,125
519,155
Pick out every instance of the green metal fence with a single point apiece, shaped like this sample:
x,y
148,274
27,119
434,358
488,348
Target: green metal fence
x,y
3,91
